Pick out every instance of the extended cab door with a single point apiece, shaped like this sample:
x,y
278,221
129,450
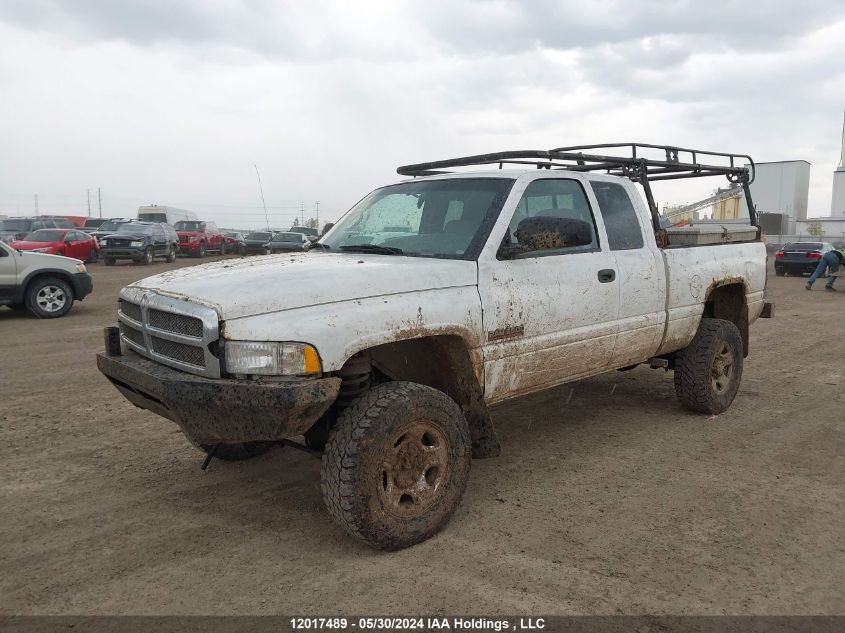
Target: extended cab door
x,y
641,277
549,309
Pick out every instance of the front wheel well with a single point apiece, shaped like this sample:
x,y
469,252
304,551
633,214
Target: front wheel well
x,y
443,362
28,281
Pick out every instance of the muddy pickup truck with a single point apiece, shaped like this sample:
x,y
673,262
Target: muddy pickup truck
x,y
385,345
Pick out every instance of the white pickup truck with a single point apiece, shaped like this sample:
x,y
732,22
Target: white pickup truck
x,y
429,301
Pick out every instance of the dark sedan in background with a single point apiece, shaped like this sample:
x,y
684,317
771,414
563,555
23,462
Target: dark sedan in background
x,y
256,243
799,258
287,242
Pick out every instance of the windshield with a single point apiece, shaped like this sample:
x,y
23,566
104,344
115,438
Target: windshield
x,y
15,225
110,225
184,225
135,229
287,237
258,236
449,218
235,235
45,235
152,217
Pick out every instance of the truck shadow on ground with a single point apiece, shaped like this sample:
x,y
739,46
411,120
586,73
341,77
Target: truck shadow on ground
x,y
552,432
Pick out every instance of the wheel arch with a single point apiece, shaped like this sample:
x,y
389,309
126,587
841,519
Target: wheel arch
x,y
447,363
20,295
726,299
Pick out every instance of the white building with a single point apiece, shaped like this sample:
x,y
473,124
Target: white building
x,y
837,199
781,187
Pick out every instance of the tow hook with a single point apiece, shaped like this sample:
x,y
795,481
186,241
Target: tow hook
x,y
210,456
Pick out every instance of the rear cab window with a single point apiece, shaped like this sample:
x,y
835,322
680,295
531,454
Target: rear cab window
x,y
621,220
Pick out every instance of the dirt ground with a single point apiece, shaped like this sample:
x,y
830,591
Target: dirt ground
x,y
608,497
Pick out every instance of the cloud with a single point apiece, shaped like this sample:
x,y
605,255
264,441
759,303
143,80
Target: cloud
x,y
173,102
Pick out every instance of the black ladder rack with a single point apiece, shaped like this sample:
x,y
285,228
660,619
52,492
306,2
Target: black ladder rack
x,y
676,163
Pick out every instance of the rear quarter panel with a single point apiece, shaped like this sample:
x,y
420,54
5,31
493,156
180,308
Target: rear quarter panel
x,y
692,272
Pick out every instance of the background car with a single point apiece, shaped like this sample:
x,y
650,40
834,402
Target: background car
x,y
798,258
17,228
235,242
197,237
256,242
286,242
108,227
141,242
312,234
92,224
68,242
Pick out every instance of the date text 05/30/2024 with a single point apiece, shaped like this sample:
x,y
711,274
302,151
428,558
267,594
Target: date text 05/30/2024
x,y
417,624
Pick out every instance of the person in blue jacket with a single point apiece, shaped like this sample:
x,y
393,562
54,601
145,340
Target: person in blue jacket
x,y
831,260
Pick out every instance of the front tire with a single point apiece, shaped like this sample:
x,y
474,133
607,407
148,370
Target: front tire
x,y
49,297
223,248
93,256
108,261
201,252
171,255
238,452
396,464
148,257
708,371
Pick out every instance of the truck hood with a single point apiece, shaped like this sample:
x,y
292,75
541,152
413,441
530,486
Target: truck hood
x,y
272,283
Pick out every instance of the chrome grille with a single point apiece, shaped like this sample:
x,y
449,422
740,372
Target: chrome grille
x,y
169,322
136,336
178,351
171,331
130,309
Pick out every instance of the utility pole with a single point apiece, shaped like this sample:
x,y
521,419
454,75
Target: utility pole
x,y
36,205
302,212
100,201
89,203
317,212
261,189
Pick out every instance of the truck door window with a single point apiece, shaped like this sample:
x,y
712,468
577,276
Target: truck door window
x,y
548,209
621,220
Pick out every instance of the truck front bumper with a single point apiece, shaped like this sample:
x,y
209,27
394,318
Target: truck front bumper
x,y
221,410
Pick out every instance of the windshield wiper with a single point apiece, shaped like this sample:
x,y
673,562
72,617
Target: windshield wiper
x,y
372,248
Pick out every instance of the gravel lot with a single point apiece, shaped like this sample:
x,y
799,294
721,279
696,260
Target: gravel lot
x,y
608,498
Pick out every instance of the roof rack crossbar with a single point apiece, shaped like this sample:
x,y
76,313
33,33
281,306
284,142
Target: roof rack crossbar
x,y
676,163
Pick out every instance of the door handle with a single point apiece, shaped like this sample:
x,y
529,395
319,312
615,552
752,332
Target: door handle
x,y
607,275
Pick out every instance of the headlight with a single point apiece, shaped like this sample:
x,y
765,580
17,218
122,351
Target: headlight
x,y
80,268
136,244
271,359
103,243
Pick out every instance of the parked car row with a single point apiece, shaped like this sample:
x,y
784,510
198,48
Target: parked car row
x,y
267,242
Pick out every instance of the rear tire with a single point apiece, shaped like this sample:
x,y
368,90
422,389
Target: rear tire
x,y
108,261
49,297
708,371
93,256
238,452
780,272
223,248
396,464
171,255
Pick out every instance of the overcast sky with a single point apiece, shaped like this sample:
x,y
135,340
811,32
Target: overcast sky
x,y
173,101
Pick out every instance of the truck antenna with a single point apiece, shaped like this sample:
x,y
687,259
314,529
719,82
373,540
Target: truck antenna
x,y
261,189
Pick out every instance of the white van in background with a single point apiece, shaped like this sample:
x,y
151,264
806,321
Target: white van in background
x,y
170,215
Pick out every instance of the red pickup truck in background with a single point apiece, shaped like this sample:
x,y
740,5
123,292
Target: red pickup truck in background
x,y
197,237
